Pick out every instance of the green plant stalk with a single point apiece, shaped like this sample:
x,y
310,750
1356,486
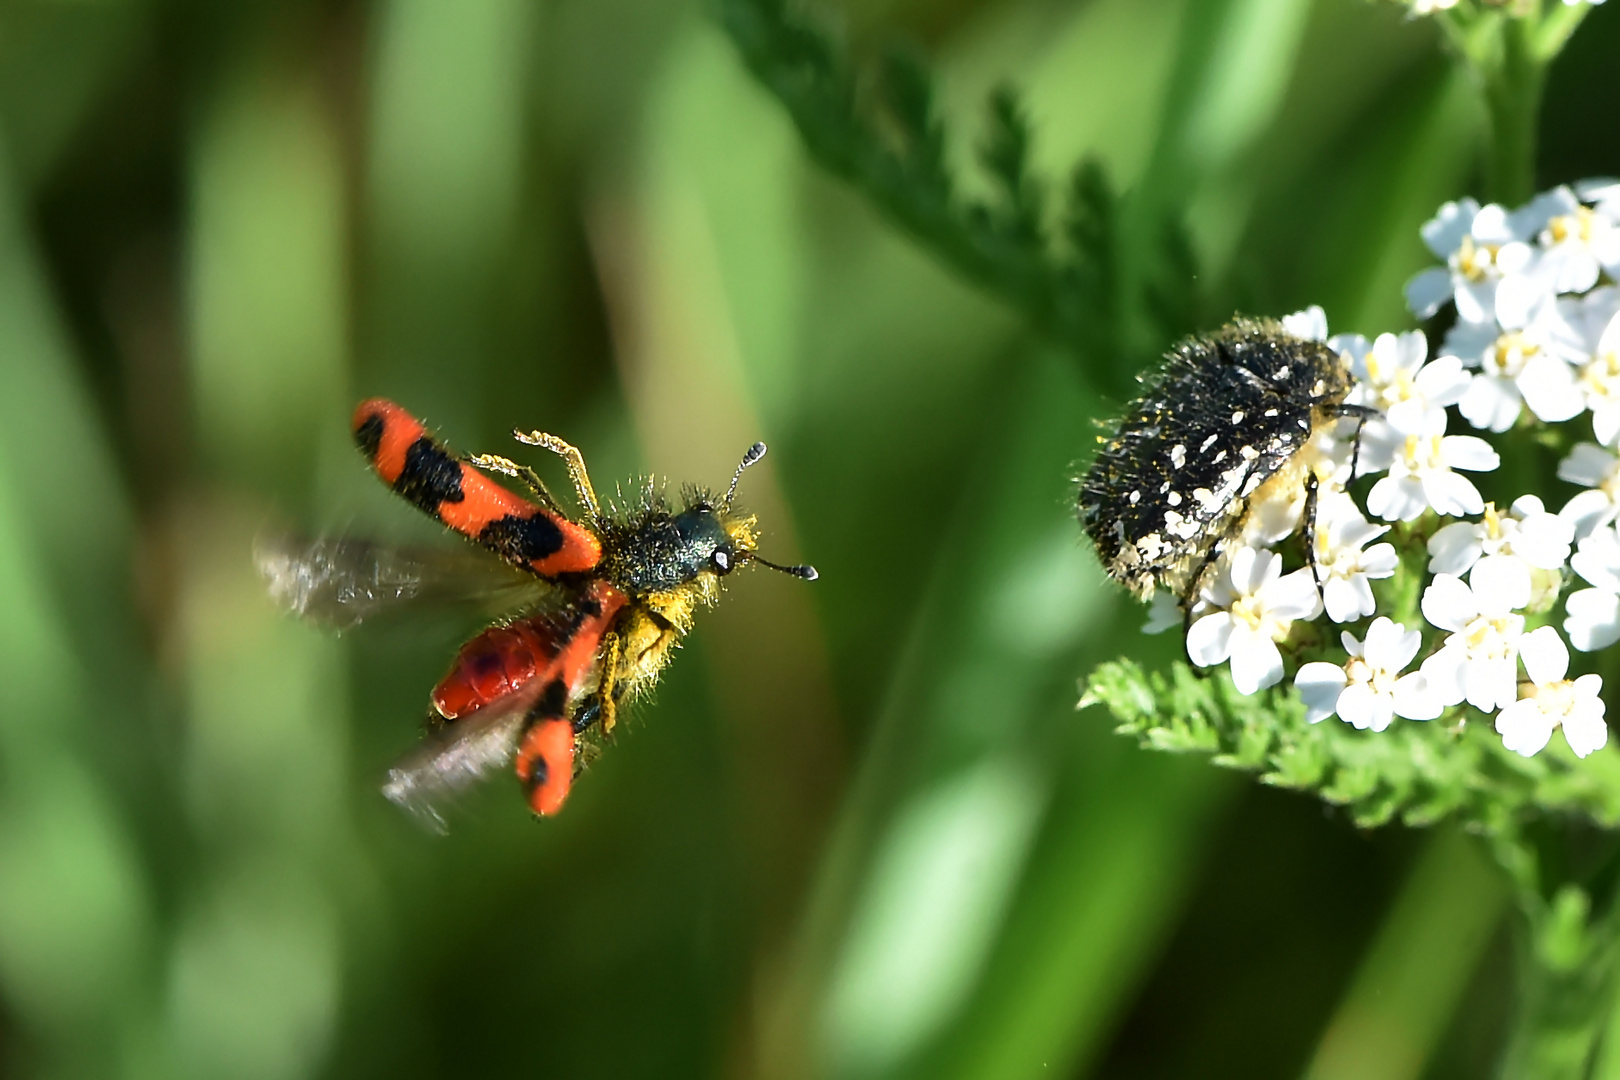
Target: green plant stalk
x,y
1514,77
1567,971
1509,56
1566,961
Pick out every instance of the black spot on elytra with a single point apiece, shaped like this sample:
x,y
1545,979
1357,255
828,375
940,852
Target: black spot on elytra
x,y
484,666
539,773
430,476
522,539
368,436
553,699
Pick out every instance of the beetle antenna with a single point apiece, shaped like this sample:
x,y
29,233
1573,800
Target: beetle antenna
x,y
803,571
754,453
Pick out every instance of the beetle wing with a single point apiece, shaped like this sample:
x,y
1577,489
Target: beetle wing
x,y
343,581
457,755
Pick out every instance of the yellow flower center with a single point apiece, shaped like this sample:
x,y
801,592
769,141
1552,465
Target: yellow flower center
x,y
1611,482
1507,357
1572,226
1475,261
1250,612
1556,699
1601,377
1422,452
1491,637
1378,680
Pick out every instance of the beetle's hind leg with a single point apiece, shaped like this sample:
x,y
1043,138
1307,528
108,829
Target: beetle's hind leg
x,y
1312,487
602,706
1361,413
575,462
523,474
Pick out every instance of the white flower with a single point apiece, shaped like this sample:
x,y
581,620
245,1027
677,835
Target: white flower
x,y
1421,472
1310,324
1525,532
1487,266
1576,243
1164,611
1589,336
1478,659
1551,701
1598,469
1392,378
1593,620
1369,691
1253,606
1341,566
1517,366
1604,193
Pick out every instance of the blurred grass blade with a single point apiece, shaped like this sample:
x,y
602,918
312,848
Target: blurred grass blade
x,y
75,903
254,978
1418,968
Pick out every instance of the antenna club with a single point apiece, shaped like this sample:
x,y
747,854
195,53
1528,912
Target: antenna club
x,y
754,453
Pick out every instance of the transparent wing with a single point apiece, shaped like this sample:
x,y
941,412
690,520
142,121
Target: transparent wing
x,y
458,755
343,581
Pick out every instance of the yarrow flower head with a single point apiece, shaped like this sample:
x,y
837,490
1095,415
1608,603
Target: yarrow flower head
x,y
1252,606
1477,661
1391,376
1488,264
1598,470
1526,532
1423,472
1593,615
1549,701
1589,338
1518,368
1368,691
1440,593
1341,566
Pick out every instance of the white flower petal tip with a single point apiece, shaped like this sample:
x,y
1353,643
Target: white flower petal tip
x,y
1550,701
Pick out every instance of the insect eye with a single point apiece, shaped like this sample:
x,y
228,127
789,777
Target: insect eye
x,y
721,560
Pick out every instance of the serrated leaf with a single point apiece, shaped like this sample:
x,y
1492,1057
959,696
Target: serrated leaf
x,y
1419,773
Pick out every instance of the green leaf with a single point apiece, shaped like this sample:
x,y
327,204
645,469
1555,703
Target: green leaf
x,y
1416,773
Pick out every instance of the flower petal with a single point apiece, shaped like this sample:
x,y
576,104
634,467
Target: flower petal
x,y
1454,548
1256,663
1444,672
1585,730
1524,728
1469,452
1549,388
1546,660
1448,603
1594,619
1416,699
1500,584
1209,642
1319,684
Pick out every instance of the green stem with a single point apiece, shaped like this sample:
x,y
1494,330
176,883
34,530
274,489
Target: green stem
x,y
1514,77
1566,976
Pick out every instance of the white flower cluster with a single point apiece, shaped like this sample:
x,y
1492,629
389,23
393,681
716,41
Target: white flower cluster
x,y
1429,7
1536,342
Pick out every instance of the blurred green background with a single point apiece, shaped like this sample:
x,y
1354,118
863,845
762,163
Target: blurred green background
x,y
861,831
